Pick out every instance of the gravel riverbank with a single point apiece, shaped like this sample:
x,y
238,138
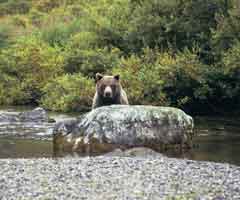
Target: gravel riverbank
x,y
117,178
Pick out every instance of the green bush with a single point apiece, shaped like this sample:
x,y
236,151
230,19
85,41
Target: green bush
x,y
59,34
36,17
32,63
5,35
11,91
160,78
47,5
90,61
111,21
19,21
231,84
84,40
227,32
183,53
231,60
68,93
182,74
15,7
140,77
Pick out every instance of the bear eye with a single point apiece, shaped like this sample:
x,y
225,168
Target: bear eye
x,y
103,87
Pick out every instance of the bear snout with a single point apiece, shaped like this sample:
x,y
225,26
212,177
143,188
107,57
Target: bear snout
x,y
108,92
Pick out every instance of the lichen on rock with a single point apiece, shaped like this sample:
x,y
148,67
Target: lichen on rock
x,y
36,115
123,126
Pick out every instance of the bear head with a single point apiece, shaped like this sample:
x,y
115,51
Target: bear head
x,y
108,87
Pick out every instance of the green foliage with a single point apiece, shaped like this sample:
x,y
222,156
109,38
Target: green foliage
x,y
141,77
111,21
31,63
162,78
59,34
227,32
15,7
68,93
90,61
5,35
231,72
47,5
231,60
182,75
11,92
183,53
36,17
19,21
151,24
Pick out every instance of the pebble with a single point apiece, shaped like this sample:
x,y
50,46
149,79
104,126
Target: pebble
x,y
125,178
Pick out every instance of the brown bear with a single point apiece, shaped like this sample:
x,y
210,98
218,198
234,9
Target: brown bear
x,y
108,91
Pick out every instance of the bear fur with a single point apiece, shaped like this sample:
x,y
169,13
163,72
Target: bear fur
x,y
108,91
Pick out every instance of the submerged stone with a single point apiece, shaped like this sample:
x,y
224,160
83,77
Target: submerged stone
x,y
123,126
36,115
9,117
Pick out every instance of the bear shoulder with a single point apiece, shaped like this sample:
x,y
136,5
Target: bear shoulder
x,y
124,99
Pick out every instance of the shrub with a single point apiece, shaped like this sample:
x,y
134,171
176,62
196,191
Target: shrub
x,y
226,33
231,83
15,7
11,91
150,43
231,60
19,21
182,74
141,79
32,63
160,78
58,34
5,34
36,17
109,20
84,40
47,5
90,61
68,93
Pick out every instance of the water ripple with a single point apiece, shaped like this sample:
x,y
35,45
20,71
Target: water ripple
x,y
27,130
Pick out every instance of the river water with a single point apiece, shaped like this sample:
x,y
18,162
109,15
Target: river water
x,y
216,139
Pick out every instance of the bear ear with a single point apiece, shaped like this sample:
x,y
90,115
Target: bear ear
x,y
98,77
117,77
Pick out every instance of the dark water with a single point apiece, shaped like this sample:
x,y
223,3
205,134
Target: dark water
x,y
217,139
25,148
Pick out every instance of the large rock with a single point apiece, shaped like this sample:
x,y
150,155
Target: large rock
x,y
122,126
36,115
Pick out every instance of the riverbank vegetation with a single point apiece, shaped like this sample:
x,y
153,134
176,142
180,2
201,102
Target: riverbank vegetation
x,y
180,53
